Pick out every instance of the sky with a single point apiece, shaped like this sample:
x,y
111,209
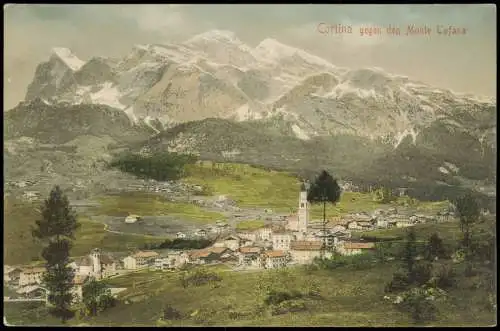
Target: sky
x,y
463,63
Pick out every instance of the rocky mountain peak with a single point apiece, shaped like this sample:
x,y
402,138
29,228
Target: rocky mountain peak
x,y
67,57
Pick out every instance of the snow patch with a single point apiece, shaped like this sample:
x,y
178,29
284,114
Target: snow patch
x,y
345,88
272,50
243,113
148,120
408,132
215,35
452,167
301,134
178,56
108,95
443,170
68,58
131,115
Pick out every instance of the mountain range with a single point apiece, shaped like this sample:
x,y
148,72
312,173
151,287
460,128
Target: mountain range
x,y
271,105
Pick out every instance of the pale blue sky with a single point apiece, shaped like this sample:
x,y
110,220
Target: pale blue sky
x,y
461,63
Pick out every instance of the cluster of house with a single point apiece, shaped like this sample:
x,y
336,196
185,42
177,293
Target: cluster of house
x,y
28,280
272,246
383,219
219,228
294,242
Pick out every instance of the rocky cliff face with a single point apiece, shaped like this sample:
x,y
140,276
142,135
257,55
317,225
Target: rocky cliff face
x,y
271,104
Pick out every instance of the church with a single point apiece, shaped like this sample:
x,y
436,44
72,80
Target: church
x,y
297,224
95,264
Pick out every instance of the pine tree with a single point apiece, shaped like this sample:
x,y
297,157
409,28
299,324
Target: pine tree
x,y
435,248
469,213
410,252
56,231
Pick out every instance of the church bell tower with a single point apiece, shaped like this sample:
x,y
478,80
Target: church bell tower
x,y
303,213
96,261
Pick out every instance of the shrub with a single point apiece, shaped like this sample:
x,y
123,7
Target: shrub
x,y
445,277
399,282
200,277
289,306
419,303
170,313
421,273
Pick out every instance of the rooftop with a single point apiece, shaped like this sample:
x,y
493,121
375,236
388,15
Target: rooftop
x,y
358,245
200,253
250,250
145,254
306,245
33,270
275,254
217,250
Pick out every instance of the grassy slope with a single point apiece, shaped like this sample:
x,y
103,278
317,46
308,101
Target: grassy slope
x,y
250,225
255,187
349,298
153,205
19,247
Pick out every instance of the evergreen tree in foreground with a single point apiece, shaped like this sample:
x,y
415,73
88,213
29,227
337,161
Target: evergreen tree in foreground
x,y
468,211
410,252
435,248
324,189
56,231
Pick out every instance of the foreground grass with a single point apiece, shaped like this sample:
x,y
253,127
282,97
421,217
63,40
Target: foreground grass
x,y
145,204
348,298
20,248
254,187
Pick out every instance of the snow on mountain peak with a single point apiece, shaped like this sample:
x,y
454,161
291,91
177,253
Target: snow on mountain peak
x,y
67,56
216,35
272,49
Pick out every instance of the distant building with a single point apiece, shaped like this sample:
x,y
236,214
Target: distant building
x,y
252,236
130,219
232,242
304,252
203,256
265,233
250,256
96,265
171,261
281,240
31,276
353,248
201,233
180,235
300,222
11,274
274,259
139,260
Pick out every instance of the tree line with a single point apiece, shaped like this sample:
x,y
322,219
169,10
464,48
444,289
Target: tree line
x,y
179,244
158,166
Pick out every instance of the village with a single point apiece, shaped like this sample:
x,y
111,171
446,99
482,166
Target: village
x,y
286,241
